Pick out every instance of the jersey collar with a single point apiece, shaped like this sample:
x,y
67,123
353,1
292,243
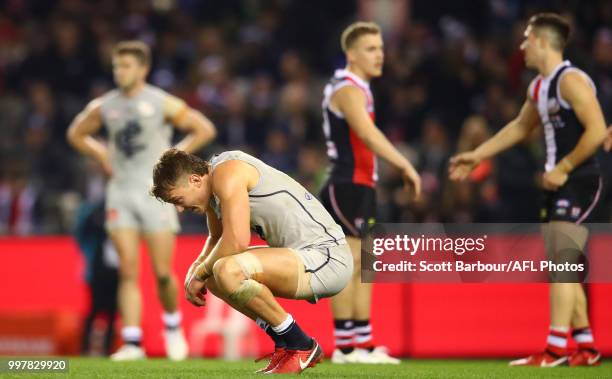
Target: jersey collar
x,y
346,73
559,67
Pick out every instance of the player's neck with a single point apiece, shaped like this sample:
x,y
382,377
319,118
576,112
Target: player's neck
x,y
358,72
548,65
134,90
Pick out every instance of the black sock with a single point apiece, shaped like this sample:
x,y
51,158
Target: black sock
x,y
279,342
295,338
133,343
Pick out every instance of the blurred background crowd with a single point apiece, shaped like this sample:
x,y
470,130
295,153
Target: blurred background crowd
x,y
257,69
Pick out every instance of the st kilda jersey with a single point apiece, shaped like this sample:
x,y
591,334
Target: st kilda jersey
x,y
562,129
351,160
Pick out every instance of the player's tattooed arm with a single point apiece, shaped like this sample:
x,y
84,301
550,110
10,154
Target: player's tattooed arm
x,y
80,135
200,130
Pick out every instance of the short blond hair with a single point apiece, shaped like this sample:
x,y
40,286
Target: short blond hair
x,y
356,30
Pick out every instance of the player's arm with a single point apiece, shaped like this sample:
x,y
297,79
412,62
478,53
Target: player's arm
x,y
581,97
230,184
214,234
80,134
350,102
514,132
200,130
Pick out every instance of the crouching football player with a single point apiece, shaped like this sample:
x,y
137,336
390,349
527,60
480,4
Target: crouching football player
x,y
307,257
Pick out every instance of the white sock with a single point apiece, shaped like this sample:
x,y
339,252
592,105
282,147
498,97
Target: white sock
x,y
131,333
283,326
172,320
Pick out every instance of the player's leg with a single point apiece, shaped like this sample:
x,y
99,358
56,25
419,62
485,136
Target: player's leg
x,y
587,353
342,309
126,242
345,203
252,280
161,249
567,300
564,242
279,342
123,229
160,224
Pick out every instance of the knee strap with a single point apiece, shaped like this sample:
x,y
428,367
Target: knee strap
x,y
249,264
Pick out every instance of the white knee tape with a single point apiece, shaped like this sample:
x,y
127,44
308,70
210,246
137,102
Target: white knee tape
x,y
248,289
249,264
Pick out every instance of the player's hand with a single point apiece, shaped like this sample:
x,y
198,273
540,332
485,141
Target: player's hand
x,y
195,292
461,165
607,145
554,179
412,182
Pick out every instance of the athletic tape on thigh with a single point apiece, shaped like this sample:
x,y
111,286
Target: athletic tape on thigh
x,y
249,264
303,290
248,289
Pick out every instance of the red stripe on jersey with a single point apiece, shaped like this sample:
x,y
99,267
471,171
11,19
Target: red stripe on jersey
x,y
363,158
536,90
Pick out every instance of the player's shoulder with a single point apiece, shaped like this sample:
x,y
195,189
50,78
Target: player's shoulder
x,y
155,91
228,174
574,76
106,97
349,91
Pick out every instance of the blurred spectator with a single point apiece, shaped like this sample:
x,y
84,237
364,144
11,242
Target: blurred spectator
x,y
256,69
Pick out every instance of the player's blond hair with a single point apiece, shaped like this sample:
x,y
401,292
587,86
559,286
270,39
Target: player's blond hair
x,y
137,49
356,30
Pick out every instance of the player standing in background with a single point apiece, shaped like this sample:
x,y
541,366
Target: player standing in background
x,y
136,116
353,142
562,99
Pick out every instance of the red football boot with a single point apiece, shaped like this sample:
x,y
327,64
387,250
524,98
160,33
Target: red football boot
x,y
275,357
585,357
296,361
544,359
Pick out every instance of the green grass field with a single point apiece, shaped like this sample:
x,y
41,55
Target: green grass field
x,y
419,368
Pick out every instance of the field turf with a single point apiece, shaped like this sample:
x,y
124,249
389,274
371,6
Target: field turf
x,y
413,368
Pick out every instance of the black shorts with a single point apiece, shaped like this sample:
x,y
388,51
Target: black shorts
x,y
353,206
574,202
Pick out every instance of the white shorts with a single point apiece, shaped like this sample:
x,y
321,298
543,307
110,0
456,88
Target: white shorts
x,y
134,208
331,268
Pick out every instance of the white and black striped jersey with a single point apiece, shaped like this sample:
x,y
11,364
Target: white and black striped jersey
x,y
351,160
562,129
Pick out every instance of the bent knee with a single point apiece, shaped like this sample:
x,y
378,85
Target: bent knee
x,y
227,270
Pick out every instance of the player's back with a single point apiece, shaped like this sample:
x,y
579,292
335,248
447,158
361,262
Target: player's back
x,y
283,212
138,133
